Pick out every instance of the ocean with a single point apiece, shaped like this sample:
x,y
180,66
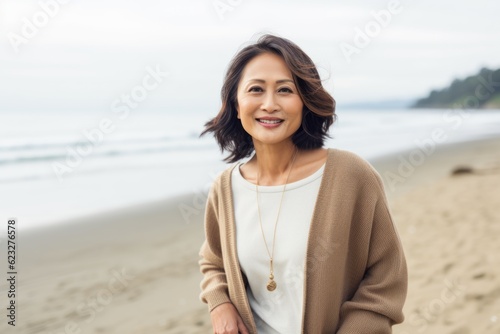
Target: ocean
x,y
58,166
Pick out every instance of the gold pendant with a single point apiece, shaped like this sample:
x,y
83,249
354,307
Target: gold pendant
x,y
271,285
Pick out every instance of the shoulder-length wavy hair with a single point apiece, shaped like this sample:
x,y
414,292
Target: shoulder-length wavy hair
x,y
318,113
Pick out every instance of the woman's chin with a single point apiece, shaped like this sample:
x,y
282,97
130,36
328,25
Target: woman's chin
x,y
272,140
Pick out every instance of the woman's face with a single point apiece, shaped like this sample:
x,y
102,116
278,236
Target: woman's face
x,y
269,106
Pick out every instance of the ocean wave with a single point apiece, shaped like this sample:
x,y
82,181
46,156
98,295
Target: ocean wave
x,y
51,151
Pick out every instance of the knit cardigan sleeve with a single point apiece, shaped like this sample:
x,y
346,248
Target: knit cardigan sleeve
x,y
214,284
378,301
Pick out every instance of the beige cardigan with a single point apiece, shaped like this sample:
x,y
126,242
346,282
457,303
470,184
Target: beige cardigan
x,y
355,278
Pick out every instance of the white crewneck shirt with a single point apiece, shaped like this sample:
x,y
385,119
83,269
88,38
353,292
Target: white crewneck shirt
x,y
279,311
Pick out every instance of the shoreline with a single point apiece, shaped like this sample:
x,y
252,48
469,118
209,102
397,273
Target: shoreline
x,y
439,164
67,270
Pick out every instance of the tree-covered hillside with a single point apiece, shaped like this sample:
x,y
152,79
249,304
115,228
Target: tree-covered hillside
x,y
477,91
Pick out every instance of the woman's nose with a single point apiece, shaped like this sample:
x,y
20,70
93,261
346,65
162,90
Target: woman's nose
x,y
269,103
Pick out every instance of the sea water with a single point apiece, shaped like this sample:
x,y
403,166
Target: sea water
x,y
61,165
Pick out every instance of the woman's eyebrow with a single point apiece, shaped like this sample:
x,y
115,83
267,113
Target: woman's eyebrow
x,y
277,81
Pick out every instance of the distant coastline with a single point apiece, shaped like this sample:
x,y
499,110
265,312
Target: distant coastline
x,y
479,91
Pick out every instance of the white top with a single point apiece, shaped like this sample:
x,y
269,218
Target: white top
x,y
279,311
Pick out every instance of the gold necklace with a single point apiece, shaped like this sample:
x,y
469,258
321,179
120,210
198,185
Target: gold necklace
x,y
271,285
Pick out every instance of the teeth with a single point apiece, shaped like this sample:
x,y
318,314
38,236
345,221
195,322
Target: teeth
x,y
270,121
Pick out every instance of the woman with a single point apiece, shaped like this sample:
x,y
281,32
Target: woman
x,y
299,238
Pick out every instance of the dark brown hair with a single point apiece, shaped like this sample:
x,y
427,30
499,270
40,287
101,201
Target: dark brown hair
x,y
318,113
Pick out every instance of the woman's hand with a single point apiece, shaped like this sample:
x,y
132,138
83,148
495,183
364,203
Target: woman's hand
x,y
227,320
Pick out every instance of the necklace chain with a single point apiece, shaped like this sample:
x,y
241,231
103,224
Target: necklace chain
x,y
271,286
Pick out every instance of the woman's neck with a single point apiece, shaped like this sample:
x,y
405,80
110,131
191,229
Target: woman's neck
x,y
273,162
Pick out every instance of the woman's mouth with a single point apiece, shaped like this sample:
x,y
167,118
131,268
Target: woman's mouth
x,y
269,122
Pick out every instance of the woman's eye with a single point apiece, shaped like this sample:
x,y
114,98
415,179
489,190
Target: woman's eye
x,y
255,89
285,90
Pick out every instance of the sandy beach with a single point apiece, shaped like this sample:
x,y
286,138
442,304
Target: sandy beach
x,y
135,270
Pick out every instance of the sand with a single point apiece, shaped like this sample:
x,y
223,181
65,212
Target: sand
x,y
450,232
135,270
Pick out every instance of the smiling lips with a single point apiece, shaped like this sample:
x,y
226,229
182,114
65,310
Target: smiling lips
x,y
269,122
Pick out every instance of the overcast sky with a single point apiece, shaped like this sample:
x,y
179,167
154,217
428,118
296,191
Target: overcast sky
x,y
84,55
